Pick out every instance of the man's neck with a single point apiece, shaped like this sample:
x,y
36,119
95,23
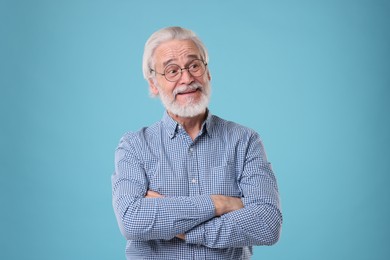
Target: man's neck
x,y
192,125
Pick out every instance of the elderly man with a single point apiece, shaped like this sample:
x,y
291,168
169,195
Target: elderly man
x,y
193,185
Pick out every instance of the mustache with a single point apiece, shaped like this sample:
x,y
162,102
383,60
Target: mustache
x,y
187,88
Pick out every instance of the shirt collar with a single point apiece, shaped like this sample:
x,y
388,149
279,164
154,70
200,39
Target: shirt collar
x,y
208,124
171,126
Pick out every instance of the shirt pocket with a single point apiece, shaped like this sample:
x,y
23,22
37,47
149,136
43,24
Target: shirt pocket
x,y
222,180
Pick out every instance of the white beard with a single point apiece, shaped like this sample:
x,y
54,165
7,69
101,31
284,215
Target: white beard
x,y
191,108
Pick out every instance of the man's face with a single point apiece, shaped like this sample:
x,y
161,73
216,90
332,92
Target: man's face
x,y
189,95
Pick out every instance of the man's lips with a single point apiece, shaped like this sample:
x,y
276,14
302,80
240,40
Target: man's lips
x,y
188,92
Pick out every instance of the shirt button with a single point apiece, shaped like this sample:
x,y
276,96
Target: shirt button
x,y
191,149
194,181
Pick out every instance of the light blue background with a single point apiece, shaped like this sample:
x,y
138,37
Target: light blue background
x,y
312,77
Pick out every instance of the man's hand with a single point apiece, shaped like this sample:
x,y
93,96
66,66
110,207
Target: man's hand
x,y
152,194
224,204
181,236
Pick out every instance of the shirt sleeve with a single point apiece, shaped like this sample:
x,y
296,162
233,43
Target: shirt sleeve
x,y
142,218
259,222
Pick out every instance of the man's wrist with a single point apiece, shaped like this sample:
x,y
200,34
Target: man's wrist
x,y
181,236
224,204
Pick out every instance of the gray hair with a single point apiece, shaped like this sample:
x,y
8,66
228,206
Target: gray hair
x,y
164,35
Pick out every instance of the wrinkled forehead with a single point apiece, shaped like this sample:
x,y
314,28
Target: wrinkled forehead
x,y
177,52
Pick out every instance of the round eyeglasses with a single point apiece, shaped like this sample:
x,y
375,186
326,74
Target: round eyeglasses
x,y
173,72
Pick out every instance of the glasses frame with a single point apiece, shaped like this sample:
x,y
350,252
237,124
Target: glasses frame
x,y
181,70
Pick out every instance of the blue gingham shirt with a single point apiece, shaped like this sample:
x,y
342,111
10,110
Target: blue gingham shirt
x,y
225,158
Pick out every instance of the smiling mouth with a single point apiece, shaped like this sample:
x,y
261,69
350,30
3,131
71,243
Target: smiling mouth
x,y
188,92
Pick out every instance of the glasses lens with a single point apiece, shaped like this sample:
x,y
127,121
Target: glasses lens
x,y
172,72
196,68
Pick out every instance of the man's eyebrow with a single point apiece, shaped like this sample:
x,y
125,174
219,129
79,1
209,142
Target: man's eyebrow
x,y
191,56
165,63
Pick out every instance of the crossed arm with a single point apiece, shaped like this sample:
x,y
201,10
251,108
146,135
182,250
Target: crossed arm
x,y
222,204
211,220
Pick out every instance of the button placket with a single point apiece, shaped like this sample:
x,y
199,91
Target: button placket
x,y
193,171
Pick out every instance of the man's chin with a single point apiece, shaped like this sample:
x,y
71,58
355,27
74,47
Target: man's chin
x,y
188,111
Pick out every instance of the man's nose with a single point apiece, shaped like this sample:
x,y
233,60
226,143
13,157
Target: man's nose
x,y
186,77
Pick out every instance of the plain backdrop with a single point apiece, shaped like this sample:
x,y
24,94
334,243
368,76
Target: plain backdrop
x,y
312,77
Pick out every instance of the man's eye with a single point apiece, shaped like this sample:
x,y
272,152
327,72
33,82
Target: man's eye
x,y
193,66
171,70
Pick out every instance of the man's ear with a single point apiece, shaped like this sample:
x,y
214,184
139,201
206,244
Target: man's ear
x,y
152,86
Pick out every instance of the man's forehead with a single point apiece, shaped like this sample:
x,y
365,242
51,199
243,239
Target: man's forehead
x,y
173,60
176,50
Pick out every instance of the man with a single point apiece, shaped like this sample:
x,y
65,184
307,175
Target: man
x,y
191,186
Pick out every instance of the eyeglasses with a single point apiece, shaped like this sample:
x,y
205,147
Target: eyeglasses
x,y
173,72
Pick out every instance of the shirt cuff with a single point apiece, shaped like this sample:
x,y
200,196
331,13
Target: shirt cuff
x,y
196,235
205,207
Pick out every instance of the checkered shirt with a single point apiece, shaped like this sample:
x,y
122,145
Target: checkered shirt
x,y
225,158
